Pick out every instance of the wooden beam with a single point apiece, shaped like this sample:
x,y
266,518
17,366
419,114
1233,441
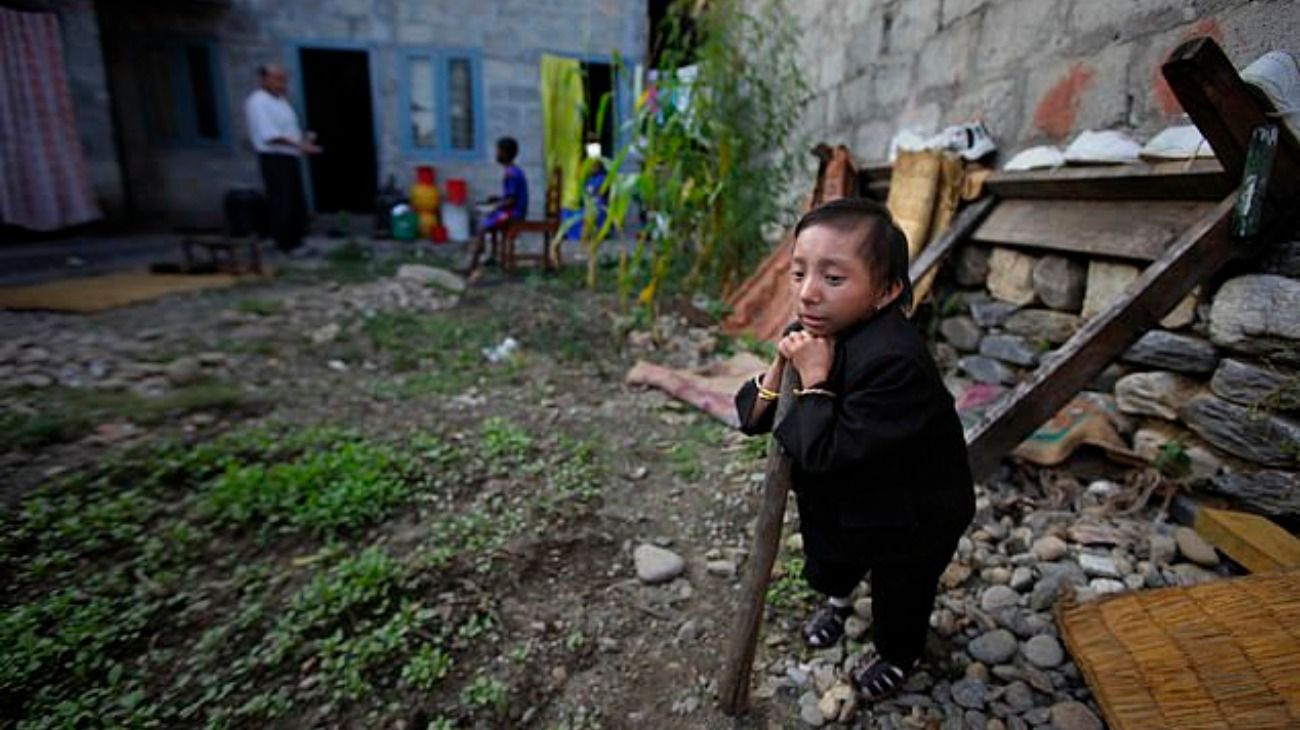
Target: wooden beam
x,y
1189,180
1139,230
733,694
954,234
1255,542
1197,254
1224,107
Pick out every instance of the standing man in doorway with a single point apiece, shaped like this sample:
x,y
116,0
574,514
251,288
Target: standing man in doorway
x,y
274,132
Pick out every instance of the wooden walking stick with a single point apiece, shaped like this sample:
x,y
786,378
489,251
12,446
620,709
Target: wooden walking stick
x,y
734,694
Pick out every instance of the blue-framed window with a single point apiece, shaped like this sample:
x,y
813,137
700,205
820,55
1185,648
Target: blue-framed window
x,y
442,103
184,92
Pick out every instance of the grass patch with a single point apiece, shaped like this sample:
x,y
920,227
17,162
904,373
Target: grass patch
x,y
66,414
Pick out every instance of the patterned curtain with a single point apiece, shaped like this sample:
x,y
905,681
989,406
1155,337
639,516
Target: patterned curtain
x,y
44,183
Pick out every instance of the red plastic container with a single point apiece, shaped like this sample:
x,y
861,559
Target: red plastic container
x,y
457,192
438,234
425,174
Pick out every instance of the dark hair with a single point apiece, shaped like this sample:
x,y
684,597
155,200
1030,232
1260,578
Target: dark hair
x,y
509,146
881,243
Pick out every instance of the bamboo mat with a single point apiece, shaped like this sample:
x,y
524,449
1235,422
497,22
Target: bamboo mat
x,y
1217,655
98,293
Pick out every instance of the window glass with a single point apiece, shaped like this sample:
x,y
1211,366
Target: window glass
x,y
461,106
422,113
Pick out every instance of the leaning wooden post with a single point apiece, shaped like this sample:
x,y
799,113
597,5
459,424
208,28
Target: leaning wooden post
x,y
734,694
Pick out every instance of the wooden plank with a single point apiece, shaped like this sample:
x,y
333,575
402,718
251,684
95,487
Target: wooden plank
x,y
1202,179
1253,541
733,694
1197,254
1138,230
954,234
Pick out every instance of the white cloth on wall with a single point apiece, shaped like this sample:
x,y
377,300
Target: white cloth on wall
x,y
44,179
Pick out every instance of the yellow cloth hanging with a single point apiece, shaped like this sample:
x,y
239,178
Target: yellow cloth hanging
x,y
562,107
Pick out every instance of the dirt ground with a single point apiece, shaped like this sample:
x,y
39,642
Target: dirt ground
x,y
153,580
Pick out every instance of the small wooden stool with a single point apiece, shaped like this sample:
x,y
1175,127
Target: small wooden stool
x,y
224,253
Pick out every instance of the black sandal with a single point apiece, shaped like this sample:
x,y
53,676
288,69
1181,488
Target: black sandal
x,y
876,679
825,627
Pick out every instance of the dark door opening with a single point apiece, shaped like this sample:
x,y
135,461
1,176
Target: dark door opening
x,y
598,83
337,103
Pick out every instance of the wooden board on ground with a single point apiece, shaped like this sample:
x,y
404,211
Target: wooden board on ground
x,y
1255,542
1202,179
1140,230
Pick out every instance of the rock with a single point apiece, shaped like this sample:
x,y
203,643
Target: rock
x,y
1254,436
213,359
325,334
1158,443
1281,258
1022,578
855,628
721,568
1059,282
1104,586
657,565
431,275
832,704
1258,314
1044,651
997,576
1099,566
994,647
862,608
1074,716
1093,533
1274,493
1106,282
1190,574
954,575
812,715
998,596
1171,351
1019,696
961,332
991,312
1163,549
1011,276
1247,384
972,265
185,370
1158,394
1043,324
688,632
1049,548
37,380
1195,548
969,693
1009,348
987,370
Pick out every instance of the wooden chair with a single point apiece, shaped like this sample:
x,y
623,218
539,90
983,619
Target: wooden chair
x,y
548,227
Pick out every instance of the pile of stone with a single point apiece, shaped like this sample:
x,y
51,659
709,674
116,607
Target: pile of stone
x,y
1001,662
1217,385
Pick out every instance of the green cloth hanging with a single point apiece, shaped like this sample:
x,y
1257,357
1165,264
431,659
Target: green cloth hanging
x,y
562,107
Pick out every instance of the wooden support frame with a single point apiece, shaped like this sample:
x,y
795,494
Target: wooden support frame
x,y
1226,112
956,232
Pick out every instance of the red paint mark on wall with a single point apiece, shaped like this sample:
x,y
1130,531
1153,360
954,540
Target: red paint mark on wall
x,y
1164,95
1058,108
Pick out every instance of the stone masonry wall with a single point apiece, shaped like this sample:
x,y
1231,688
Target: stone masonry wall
x,y
187,184
1034,71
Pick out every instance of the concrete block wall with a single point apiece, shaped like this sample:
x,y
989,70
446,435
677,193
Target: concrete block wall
x,y
1034,71
186,185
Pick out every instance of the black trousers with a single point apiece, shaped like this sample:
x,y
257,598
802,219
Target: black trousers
x,y
287,207
902,588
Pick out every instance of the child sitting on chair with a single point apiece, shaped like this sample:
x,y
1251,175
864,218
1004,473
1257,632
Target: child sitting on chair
x,y
510,206
879,459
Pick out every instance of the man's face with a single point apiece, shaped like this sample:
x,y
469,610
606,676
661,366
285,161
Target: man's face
x,y
276,80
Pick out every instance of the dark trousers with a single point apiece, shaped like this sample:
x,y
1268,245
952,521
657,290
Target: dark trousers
x,y
902,594
287,208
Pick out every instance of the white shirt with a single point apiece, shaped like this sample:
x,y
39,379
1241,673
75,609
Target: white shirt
x,y
270,116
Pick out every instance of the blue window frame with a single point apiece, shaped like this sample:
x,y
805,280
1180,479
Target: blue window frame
x,y
441,101
184,92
